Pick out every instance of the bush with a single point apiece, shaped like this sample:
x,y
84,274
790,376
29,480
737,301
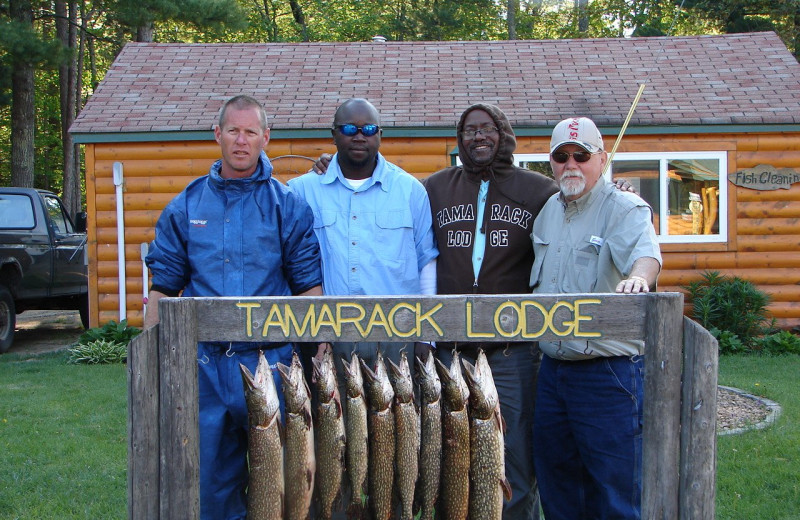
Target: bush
x,y
98,352
733,306
783,342
106,344
112,331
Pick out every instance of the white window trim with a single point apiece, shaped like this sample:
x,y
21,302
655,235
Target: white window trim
x,y
664,158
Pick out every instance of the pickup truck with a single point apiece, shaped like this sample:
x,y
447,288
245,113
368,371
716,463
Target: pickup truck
x,y
43,263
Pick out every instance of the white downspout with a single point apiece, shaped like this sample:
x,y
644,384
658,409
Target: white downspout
x,y
144,248
123,314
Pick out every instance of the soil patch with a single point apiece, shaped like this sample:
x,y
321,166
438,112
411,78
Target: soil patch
x,y
38,332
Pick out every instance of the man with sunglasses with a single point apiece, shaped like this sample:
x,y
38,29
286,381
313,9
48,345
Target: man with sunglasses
x,y
589,238
373,221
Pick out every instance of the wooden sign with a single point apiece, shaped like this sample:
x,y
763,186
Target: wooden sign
x,y
765,177
403,319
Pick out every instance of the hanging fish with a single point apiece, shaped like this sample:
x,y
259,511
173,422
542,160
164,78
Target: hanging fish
x,y
487,463
455,441
406,420
356,428
330,435
380,395
300,463
264,443
430,455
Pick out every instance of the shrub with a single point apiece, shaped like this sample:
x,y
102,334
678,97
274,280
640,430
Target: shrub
x,y
106,344
729,343
98,352
111,331
783,342
731,305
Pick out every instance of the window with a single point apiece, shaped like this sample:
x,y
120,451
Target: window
x,y
16,212
61,223
687,190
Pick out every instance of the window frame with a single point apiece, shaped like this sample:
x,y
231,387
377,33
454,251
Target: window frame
x,y
663,159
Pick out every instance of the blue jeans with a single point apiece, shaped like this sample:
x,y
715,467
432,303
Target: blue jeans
x,y
223,424
587,438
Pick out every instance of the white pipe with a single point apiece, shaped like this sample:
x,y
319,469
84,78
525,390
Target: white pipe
x,y
123,314
144,248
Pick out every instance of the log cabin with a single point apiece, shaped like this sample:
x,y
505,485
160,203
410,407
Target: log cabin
x,y
713,144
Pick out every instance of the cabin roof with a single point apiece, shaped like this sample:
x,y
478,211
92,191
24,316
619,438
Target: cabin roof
x,y
733,79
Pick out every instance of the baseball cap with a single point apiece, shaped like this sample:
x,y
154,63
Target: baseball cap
x,y
577,130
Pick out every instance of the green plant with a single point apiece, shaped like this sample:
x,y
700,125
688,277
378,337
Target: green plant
x,y
730,304
98,352
120,333
729,343
782,342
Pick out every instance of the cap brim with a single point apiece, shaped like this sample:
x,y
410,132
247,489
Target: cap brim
x,y
586,146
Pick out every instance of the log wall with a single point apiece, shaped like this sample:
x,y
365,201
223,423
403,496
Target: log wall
x,y
764,226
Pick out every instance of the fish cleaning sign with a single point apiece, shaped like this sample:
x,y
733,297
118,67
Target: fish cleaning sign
x,y
496,318
765,177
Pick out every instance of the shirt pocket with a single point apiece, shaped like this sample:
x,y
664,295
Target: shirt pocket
x,y
394,235
325,229
539,251
581,273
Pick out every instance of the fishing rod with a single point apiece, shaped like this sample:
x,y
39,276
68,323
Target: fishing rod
x,y
639,93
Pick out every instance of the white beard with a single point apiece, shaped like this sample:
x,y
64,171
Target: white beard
x,y
572,183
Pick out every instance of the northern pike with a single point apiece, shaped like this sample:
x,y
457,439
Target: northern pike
x,y
487,464
406,421
300,463
455,441
330,434
380,395
430,455
356,429
264,443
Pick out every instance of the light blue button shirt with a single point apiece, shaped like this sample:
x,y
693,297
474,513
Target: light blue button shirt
x,y
480,234
374,239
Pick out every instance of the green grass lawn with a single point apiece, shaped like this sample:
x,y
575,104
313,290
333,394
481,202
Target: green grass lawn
x,y
63,448
63,451
758,472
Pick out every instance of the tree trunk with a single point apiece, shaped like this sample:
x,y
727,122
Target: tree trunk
x,y
22,106
583,16
299,18
511,18
144,33
66,22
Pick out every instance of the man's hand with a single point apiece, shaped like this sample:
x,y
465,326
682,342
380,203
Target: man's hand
x,y
321,166
624,185
633,285
321,349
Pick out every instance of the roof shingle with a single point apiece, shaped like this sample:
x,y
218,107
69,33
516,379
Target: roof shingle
x,y
709,80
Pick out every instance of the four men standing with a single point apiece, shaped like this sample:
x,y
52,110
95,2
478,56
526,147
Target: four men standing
x,y
498,227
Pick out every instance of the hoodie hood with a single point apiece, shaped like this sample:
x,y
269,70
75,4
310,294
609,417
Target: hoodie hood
x,y
502,165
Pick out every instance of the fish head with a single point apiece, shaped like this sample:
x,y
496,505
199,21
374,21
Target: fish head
x,y
430,386
483,396
401,379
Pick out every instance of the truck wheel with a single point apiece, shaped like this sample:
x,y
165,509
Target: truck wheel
x,y
8,319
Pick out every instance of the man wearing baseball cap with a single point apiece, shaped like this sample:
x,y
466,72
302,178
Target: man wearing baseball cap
x,y
590,238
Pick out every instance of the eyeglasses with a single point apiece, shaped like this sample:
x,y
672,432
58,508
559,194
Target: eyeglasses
x,y
581,157
351,130
486,131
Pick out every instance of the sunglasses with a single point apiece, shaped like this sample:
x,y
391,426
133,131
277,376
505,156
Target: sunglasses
x,y
562,157
351,130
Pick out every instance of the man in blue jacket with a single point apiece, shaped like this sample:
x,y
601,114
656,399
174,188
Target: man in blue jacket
x,y
234,232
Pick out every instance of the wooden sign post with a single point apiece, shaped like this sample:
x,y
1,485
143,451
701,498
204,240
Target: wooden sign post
x,y
680,382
